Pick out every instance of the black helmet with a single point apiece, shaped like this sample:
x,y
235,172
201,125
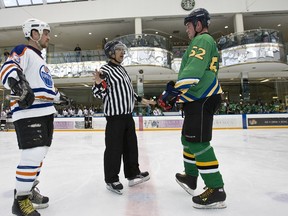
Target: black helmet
x,y
111,46
199,14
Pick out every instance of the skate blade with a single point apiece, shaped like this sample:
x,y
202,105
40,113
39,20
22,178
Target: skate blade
x,y
40,206
114,190
186,188
133,183
217,205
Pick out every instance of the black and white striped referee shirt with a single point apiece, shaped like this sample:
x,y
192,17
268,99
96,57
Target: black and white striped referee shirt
x,y
116,91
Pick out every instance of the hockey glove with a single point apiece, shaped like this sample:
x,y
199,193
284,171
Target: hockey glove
x,y
22,89
166,106
170,94
168,97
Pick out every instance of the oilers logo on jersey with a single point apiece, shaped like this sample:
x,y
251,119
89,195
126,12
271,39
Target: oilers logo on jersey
x,y
45,76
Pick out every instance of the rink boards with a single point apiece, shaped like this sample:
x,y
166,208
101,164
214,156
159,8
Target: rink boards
x,y
244,121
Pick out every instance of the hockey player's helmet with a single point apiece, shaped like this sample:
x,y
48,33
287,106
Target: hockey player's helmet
x,y
111,46
36,24
199,14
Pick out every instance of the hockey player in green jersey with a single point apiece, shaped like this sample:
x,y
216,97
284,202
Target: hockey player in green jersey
x,y
199,92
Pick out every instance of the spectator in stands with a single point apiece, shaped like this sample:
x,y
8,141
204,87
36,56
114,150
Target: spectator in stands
x,y
230,40
3,120
245,39
71,111
91,111
265,36
274,37
157,111
85,111
65,113
222,42
80,112
6,54
141,41
78,53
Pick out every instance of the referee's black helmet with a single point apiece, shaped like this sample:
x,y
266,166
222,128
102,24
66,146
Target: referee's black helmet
x,y
111,46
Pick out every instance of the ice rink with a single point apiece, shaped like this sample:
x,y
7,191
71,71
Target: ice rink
x,y
253,163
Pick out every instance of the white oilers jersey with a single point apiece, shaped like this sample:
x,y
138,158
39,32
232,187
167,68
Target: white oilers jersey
x,y
35,69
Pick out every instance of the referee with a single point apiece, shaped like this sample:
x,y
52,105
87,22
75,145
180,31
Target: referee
x,y
113,85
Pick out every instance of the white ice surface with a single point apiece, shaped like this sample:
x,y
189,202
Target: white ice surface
x,y
253,163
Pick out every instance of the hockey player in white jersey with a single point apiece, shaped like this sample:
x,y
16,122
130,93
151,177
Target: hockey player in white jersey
x,y
25,72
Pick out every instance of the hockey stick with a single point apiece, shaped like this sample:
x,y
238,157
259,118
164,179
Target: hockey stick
x,y
15,97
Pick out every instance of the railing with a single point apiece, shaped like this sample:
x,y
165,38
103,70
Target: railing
x,y
155,50
250,37
72,56
143,49
145,40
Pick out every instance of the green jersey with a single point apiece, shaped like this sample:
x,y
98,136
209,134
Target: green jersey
x,y
198,75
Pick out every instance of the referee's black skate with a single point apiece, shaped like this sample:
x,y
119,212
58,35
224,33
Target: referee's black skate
x,y
115,187
39,201
138,179
187,182
22,206
211,198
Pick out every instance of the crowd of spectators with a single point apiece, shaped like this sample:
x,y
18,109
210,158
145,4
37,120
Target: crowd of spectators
x,y
226,108
83,111
252,108
249,37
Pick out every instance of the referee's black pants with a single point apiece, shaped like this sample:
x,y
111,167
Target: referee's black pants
x,y
120,140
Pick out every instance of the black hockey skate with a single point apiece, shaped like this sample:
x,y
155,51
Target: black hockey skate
x,y
140,178
39,201
115,187
187,182
211,198
22,206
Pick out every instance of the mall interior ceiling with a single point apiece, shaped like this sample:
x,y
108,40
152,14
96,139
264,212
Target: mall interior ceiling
x,y
90,35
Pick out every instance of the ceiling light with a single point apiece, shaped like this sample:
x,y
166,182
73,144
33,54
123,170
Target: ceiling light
x,y
226,27
55,35
90,33
265,80
279,25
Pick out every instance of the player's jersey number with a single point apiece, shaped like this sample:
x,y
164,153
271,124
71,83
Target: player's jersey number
x,y
199,53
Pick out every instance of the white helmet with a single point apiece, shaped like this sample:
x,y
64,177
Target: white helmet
x,y
36,24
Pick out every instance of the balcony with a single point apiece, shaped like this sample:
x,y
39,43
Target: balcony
x,y
149,53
